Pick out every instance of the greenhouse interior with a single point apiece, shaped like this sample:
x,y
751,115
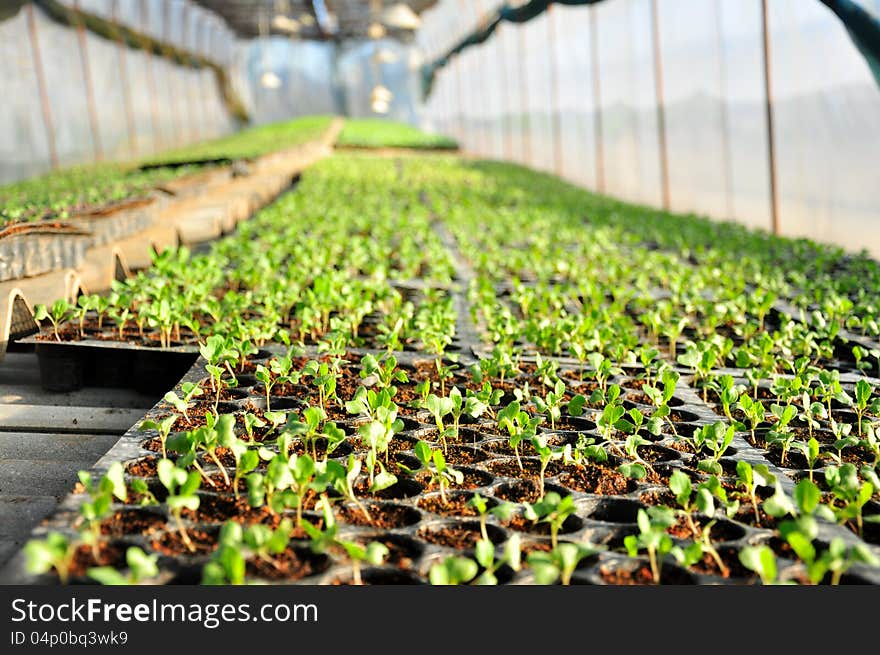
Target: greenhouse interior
x,y
439,292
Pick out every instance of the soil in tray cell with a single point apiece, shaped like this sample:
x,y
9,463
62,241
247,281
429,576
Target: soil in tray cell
x,y
292,564
641,575
109,554
172,544
385,516
461,536
456,504
133,521
597,479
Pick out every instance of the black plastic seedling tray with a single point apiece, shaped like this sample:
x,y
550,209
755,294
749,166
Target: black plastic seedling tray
x,y
70,365
416,532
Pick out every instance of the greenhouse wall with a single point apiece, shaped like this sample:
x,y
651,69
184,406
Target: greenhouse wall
x,y
72,96
665,103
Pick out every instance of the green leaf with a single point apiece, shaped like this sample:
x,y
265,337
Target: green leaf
x,y
807,495
107,575
576,405
484,552
544,568
680,485
453,571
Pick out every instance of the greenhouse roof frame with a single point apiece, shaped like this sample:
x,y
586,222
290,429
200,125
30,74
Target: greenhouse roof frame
x,y
352,17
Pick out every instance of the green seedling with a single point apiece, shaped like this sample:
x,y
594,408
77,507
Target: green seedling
x,y
313,428
660,398
486,398
434,464
342,480
484,553
101,494
552,509
691,500
453,570
728,393
753,411
781,435
219,355
716,438
440,407
228,564
140,567
59,313
652,537
701,358
551,404
503,511
246,459
374,553
813,412
761,560
377,435
140,488
323,379
518,425
84,303
182,487
163,427
56,551
850,495
328,539
252,421
810,451
545,454
559,563
385,372
863,393
367,402
469,406
189,391
264,542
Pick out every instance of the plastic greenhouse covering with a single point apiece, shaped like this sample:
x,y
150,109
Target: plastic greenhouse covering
x,y
586,106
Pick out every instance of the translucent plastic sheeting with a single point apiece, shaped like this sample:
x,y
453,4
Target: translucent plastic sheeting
x,y
24,150
541,99
357,74
629,117
696,134
572,57
741,81
827,108
142,103
304,71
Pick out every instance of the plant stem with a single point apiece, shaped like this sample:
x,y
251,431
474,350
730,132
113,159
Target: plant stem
x,y
221,467
182,530
655,570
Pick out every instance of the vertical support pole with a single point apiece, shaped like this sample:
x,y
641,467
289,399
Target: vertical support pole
x,y
556,102
725,119
771,132
151,81
41,85
91,107
123,76
526,122
597,100
661,106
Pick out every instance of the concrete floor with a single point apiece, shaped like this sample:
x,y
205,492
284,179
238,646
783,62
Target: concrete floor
x,y
45,438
